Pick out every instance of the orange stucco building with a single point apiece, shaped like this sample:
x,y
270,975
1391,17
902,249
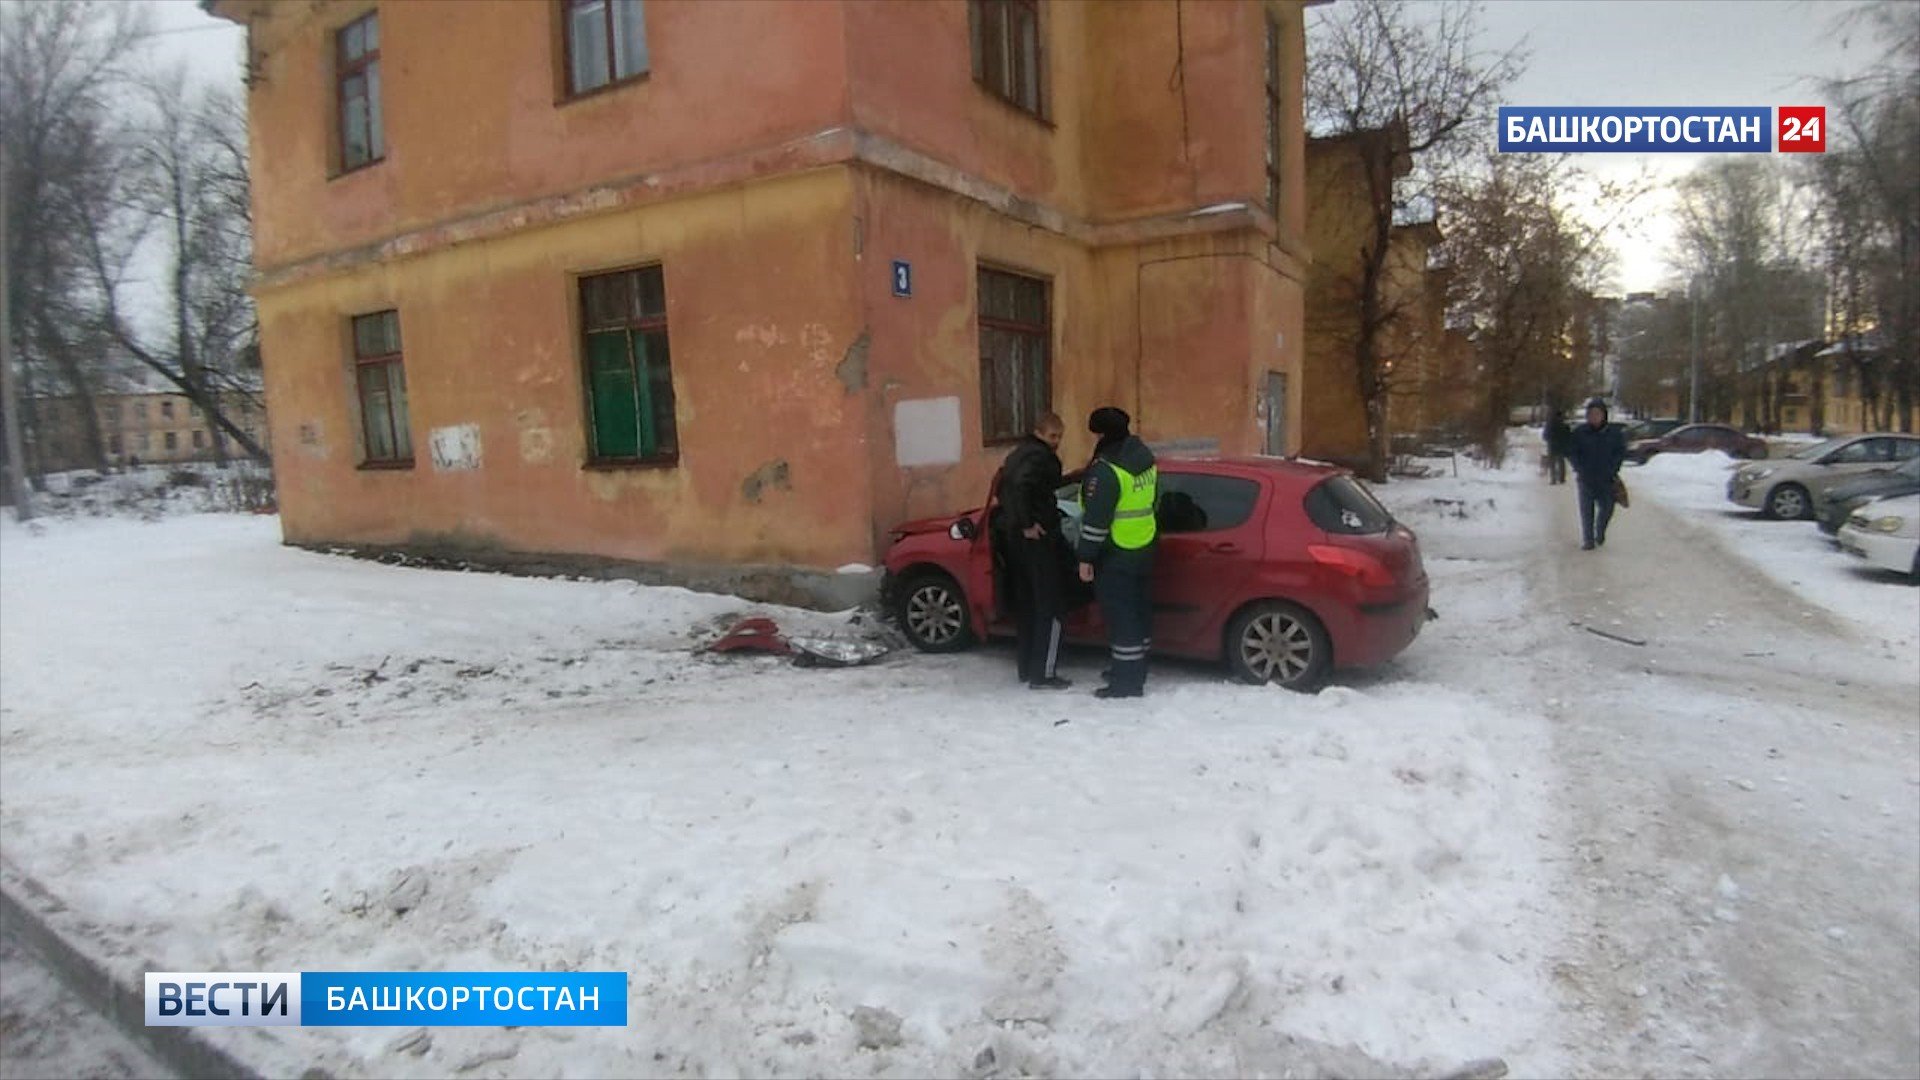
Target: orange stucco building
x,y
684,282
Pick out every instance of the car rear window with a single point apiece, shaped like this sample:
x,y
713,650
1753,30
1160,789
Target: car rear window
x,y
1341,504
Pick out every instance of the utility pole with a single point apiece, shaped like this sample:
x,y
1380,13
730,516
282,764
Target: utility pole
x,y
9,408
1693,392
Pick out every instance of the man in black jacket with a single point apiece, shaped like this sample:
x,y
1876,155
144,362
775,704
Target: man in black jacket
x,y
1120,491
1030,524
1556,434
1596,449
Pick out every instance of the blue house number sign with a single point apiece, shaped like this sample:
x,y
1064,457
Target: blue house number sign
x,y
902,278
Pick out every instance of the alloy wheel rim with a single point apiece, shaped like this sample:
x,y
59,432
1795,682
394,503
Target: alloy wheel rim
x,y
1277,646
1788,503
933,613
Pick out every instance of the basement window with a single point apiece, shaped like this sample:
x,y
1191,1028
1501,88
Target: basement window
x,y
1016,372
1006,51
381,381
629,368
606,43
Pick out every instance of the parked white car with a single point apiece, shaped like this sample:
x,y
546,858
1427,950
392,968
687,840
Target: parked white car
x,y
1886,533
1790,487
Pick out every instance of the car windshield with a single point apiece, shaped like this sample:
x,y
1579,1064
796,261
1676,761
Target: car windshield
x,y
1816,449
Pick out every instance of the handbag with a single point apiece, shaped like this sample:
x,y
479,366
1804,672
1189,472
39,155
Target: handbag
x,y
1620,493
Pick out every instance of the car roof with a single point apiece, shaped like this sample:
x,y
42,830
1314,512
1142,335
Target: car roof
x,y
1301,469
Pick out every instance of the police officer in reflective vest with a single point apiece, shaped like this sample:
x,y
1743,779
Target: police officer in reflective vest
x,y
1118,494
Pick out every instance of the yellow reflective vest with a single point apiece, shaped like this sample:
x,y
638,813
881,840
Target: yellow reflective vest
x,y
1133,520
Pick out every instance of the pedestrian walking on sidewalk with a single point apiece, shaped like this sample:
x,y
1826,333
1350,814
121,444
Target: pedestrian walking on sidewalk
x,y
1557,435
1596,450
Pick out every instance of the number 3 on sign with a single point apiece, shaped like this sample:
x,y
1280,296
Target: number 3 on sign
x,y
902,278
1803,129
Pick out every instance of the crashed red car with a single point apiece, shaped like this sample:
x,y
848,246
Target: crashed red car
x,y
1282,570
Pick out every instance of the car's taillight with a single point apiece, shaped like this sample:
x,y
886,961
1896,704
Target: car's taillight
x,y
1355,564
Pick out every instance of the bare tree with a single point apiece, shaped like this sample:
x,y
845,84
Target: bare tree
x,y
1870,207
1385,67
1738,244
60,67
1523,271
191,166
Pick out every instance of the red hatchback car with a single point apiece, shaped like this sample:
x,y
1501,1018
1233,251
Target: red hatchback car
x,y
1282,569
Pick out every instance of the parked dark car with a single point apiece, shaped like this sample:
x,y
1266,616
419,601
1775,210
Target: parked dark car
x,y
1841,500
1652,427
1282,570
1698,439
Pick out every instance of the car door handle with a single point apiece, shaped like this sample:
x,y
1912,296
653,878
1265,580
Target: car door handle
x,y
1224,547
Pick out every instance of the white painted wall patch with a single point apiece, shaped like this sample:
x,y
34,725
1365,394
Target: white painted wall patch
x,y
926,432
456,448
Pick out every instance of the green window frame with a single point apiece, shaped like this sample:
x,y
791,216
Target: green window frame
x,y
627,368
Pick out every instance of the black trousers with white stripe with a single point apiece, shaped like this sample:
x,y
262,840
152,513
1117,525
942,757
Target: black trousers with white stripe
x,y
1039,605
1124,588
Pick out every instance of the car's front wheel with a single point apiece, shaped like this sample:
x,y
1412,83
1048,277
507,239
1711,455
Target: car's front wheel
x,y
932,611
1788,502
1278,642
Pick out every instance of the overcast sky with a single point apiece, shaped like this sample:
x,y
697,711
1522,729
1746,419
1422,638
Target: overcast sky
x,y
1584,52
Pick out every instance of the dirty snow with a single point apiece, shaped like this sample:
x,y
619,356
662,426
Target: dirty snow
x,y
1884,609
234,755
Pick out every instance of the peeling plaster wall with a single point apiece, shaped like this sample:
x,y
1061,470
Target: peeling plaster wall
x,y
761,318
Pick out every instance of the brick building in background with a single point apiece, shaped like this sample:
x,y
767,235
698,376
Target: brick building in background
x,y
748,283
138,427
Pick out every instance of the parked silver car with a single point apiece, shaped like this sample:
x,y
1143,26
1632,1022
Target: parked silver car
x,y
1789,487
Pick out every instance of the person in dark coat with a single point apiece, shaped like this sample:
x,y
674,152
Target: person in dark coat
x,y
1035,547
1596,450
1557,436
1117,532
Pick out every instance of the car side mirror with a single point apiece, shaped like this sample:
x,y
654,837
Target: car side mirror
x,y
963,529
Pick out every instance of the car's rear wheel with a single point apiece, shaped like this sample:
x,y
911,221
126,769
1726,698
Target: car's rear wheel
x,y
1277,642
1788,502
932,611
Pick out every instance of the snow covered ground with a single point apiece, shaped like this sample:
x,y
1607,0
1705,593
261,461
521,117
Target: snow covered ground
x,y
228,754
1884,609
238,756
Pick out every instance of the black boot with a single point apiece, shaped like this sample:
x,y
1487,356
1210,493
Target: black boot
x,y
1051,682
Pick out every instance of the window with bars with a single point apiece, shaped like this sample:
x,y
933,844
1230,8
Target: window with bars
x,y
1016,377
629,368
357,73
381,381
606,42
1273,114
1007,58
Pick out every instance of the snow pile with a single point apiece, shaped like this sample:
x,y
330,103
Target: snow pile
x,y
150,492
1793,553
233,755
